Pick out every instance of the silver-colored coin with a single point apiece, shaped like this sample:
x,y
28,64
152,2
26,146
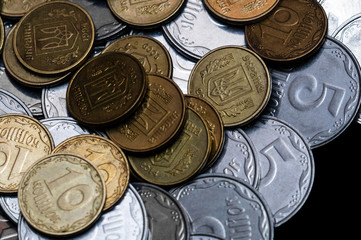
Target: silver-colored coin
x,y
225,208
9,103
7,230
287,166
238,158
203,237
10,205
53,101
319,97
195,32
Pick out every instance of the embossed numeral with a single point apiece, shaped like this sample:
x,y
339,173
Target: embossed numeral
x,y
13,159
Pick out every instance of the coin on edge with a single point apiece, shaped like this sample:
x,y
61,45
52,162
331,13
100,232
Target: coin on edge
x,y
106,89
235,81
54,37
23,140
2,34
17,8
61,194
107,157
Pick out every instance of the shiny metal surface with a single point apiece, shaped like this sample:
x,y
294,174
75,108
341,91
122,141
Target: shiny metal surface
x,y
53,100
9,103
10,206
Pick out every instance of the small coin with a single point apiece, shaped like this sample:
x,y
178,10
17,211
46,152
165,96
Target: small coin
x,y
17,8
107,157
61,194
156,122
150,52
53,101
235,81
2,34
106,89
54,37
9,103
294,29
23,140
148,13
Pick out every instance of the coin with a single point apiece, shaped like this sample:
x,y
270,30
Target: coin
x,y
107,157
2,34
150,52
23,140
54,37
156,122
179,161
106,89
10,205
235,81
61,194
294,29
7,229
9,103
53,101
145,13
17,8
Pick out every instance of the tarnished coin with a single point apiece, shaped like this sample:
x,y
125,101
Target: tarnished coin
x,y
156,122
17,8
61,194
54,37
9,103
180,160
294,29
23,140
2,33
106,89
7,229
10,205
147,13
150,52
235,81
107,157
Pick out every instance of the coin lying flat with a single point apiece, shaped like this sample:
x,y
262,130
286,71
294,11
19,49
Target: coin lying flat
x,y
9,103
53,101
7,229
17,8
10,206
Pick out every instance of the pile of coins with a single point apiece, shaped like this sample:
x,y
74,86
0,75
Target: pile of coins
x,y
119,118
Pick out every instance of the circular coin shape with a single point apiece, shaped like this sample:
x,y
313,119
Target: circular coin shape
x,y
107,157
293,30
23,140
61,194
2,34
149,13
10,205
53,101
17,8
9,103
54,37
106,89
156,122
235,81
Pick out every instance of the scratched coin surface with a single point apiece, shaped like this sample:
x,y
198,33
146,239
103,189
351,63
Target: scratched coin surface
x,y
235,81
17,8
294,29
61,194
106,89
107,157
23,140
54,37
9,103
156,122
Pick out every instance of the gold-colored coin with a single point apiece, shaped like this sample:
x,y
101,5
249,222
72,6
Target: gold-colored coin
x,y
54,37
181,159
17,8
150,52
235,81
106,89
107,157
148,13
2,34
156,122
61,194
23,140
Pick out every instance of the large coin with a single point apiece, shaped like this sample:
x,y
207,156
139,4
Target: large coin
x,y
17,8
235,81
9,103
61,194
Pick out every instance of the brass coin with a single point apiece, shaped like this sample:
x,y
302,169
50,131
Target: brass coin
x,y
106,89
293,30
156,122
214,123
107,157
146,13
54,37
2,34
61,194
17,8
150,52
23,140
180,160
235,81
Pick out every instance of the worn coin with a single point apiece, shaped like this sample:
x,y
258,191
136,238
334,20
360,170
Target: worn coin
x,y
7,229
53,101
17,8
10,205
156,122
235,80
2,34
9,103
61,194
106,89
23,140
54,37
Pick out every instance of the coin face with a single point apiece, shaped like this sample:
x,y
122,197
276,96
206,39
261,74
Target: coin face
x,y
293,30
61,194
146,13
9,103
107,157
156,122
23,140
54,37
106,89
17,8
235,81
